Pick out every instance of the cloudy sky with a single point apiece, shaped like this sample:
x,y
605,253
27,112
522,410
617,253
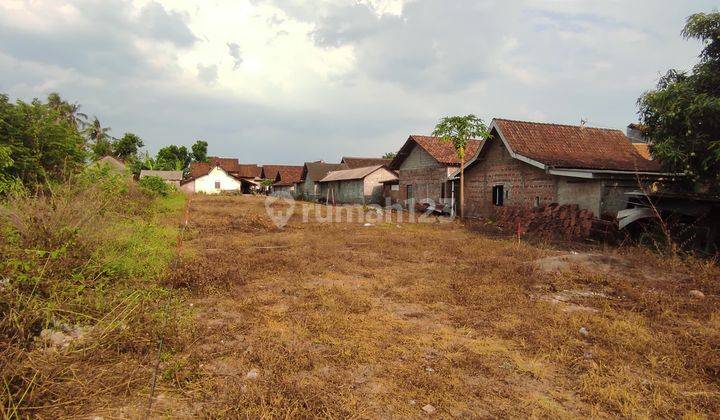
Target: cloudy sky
x,y
287,81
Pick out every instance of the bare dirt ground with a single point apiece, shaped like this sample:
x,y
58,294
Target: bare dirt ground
x,y
412,320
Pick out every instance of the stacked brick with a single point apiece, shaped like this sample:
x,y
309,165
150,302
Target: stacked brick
x,y
555,221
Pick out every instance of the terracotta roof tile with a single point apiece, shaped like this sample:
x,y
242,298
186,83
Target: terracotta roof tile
x,y
198,169
363,162
442,151
570,146
317,170
289,174
643,149
271,171
247,171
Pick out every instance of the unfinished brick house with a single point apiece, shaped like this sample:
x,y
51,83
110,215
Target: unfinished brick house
x,y
528,164
309,186
424,164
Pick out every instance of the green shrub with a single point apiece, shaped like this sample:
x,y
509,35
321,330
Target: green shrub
x,y
91,252
154,185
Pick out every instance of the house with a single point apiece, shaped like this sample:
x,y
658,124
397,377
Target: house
x,y
222,174
356,186
363,162
423,164
170,177
309,186
112,162
213,181
286,179
528,164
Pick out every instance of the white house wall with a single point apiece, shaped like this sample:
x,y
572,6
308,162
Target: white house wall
x,y
206,184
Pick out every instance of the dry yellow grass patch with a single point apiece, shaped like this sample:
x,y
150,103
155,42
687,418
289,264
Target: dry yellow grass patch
x,y
343,320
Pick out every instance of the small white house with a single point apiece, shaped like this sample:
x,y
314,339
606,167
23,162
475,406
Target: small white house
x,y
214,182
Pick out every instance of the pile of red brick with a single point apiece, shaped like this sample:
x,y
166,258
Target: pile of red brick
x,y
555,221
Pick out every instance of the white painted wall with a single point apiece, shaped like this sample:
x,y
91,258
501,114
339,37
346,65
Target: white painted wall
x,y
206,184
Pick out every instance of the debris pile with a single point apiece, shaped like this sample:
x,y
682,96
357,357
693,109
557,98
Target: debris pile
x,y
555,221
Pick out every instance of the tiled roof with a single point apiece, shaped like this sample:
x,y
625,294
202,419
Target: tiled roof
x,y
247,171
271,171
570,146
228,164
317,170
198,169
363,162
442,151
643,149
347,174
289,174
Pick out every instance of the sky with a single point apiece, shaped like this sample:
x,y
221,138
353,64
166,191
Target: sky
x,y
290,81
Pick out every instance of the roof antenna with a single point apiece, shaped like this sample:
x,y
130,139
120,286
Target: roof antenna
x,y
583,122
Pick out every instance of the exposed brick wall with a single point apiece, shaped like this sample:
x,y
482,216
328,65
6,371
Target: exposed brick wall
x,y
425,174
521,182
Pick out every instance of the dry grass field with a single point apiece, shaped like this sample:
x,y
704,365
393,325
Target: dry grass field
x,y
416,319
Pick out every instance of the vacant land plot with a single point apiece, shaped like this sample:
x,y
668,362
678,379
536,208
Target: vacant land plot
x,y
407,320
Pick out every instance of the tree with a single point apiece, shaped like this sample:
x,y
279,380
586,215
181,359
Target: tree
x,y
199,151
458,130
127,146
172,158
99,138
389,155
38,146
682,115
67,111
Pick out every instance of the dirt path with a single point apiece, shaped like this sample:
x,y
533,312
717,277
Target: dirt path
x,y
410,320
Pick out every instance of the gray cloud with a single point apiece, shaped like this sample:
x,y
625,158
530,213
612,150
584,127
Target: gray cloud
x,y
236,54
554,61
434,44
160,24
207,74
102,44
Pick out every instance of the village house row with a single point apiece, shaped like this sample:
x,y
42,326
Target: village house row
x,y
524,164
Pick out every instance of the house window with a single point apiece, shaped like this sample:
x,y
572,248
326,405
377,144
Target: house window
x,y
498,195
217,185
537,201
395,187
409,191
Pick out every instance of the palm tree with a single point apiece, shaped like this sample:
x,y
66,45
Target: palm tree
x,y
459,130
67,111
95,131
98,135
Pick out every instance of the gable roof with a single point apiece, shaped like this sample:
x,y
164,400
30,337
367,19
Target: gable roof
x,y
571,146
200,172
114,162
442,151
230,165
350,174
289,174
247,171
166,175
317,170
271,171
198,169
643,149
363,162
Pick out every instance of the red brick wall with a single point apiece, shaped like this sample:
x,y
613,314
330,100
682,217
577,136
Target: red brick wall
x,y
522,182
426,182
